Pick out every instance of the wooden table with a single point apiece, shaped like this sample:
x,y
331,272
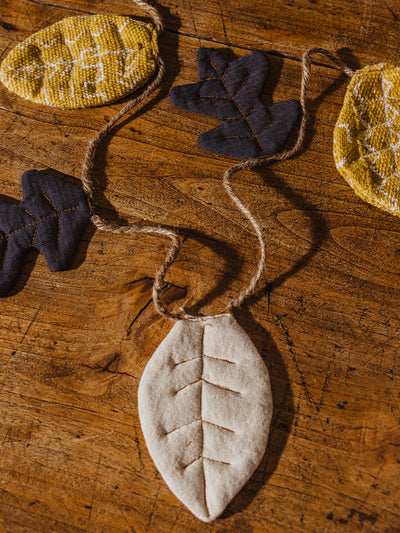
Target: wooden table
x,y
74,344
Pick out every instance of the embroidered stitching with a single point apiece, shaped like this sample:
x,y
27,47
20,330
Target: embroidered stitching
x,y
92,66
41,219
239,136
200,430
36,223
237,105
199,420
187,361
220,97
205,459
243,83
58,216
267,126
220,359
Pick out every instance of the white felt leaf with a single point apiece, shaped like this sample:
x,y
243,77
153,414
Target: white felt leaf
x,y
205,407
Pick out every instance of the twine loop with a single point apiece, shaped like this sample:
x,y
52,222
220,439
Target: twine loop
x,y
171,234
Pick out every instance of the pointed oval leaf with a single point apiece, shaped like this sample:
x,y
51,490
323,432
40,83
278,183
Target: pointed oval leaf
x,y
82,61
367,138
205,407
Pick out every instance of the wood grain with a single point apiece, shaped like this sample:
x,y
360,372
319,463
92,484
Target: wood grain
x,y
74,344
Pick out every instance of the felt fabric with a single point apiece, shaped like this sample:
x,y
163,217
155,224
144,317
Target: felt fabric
x,y
230,91
82,61
205,407
367,136
51,218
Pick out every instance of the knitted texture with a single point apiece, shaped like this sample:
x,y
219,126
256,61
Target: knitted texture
x,y
51,218
367,136
82,61
230,91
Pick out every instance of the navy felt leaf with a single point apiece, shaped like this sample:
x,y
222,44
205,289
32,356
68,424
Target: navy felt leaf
x,y
230,92
50,218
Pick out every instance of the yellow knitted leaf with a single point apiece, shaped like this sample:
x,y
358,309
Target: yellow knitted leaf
x,y
82,61
367,136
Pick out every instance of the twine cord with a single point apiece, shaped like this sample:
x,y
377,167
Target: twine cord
x,y
153,13
282,156
173,236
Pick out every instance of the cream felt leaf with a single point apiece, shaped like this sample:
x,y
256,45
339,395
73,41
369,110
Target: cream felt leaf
x,y
205,407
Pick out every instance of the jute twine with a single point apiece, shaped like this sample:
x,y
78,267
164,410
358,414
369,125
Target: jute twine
x,y
174,237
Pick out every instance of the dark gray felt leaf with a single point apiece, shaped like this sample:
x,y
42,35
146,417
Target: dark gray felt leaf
x,y
229,91
50,218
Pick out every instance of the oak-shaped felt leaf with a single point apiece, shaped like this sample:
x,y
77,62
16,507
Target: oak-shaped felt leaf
x,y
82,61
205,408
50,218
230,91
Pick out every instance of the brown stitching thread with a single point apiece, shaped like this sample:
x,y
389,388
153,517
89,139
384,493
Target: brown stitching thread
x,y
241,85
247,136
187,361
220,97
201,416
244,115
69,209
267,126
215,460
182,426
205,381
221,387
191,462
217,426
34,234
187,385
30,214
36,222
201,457
58,216
27,226
220,359
50,202
209,79
239,136
4,236
199,420
41,219
36,227
251,110
232,118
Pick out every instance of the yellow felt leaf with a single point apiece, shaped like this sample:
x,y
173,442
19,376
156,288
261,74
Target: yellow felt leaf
x,y
82,61
367,136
